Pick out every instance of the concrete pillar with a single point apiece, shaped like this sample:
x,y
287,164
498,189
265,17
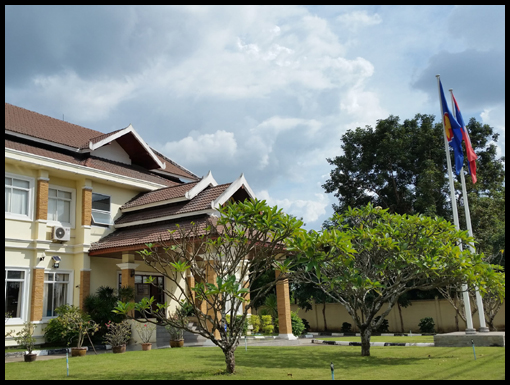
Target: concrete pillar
x,y
36,307
84,286
128,267
210,275
283,304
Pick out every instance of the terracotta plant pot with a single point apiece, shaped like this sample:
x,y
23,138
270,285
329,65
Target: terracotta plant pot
x,y
146,346
176,344
119,349
78,352
30,357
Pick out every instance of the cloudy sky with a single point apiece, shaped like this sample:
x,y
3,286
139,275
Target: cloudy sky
x,y
267,91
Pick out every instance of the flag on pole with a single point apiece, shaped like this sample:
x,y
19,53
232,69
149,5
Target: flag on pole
x,y
472,157
453,132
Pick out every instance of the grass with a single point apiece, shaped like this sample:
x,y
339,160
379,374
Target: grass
x,y
274,363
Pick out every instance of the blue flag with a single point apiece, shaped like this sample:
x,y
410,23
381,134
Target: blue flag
x,y
453,132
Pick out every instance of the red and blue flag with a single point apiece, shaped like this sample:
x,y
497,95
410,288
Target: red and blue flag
x,y
471,156
453,132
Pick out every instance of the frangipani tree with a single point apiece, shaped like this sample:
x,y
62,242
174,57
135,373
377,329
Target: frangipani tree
x,y
371,257
223,257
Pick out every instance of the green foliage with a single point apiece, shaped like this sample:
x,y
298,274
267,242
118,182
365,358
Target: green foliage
x,y
346,327
427,325
270,306
118,333
100,307
267,326
254,321
372,257
298,327
244,329
55,332
72,323
24,337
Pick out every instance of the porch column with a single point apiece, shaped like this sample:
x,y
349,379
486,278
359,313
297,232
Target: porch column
x,y
283,305
36,307
128,268
211,278
84,286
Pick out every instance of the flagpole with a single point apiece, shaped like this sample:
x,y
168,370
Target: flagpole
x,y
465,294
479,302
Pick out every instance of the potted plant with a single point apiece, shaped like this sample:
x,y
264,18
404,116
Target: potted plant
x,y
118,335
145,331
25,338
77,324
175,329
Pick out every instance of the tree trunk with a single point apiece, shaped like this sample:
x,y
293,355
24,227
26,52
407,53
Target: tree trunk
x,y
365,340
324,316
401,319
230,360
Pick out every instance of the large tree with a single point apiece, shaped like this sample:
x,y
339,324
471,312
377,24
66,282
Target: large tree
x,y
401,166
372,257
236,248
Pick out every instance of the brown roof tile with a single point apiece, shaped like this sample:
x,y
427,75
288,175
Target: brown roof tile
x,y
132,171
150,233
40,126
200,202
159,195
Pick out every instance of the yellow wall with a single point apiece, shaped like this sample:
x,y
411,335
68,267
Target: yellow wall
x,y
441,311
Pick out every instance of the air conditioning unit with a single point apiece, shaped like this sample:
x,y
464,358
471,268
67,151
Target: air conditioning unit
x,y
61,233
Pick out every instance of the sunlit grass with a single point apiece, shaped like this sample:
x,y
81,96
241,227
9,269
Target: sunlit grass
x,y
274,363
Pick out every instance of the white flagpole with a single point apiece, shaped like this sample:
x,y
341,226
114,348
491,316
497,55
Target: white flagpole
x,y
465,294
479,302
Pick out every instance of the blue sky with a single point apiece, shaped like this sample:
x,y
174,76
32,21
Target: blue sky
x,y
267,91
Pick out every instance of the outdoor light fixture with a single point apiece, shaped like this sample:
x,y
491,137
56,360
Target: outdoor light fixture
x,y
41,258
56,261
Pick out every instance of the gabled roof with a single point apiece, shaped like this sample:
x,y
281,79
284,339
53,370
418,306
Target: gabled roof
x,y
142,222
45,130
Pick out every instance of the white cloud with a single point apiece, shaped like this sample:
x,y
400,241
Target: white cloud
x,y
358,19
83,100
201,150
309,210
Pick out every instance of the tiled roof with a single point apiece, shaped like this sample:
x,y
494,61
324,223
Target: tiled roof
x,y
22,121
201,202
40,126
175,168
132,171
159,195
150,233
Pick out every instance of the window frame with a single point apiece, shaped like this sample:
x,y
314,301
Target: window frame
x,y
24,294
30,204
92,211
69,294
72,208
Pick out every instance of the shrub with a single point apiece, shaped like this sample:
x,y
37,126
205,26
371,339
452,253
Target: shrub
x,y
100,305
267,324
245,324
255,323
307,325
297,324
56,333
384,327
426,325
346,327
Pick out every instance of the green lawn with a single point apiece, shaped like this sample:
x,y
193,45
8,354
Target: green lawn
x,y
274,363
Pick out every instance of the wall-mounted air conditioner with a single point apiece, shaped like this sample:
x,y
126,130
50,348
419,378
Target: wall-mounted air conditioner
x,y
61,233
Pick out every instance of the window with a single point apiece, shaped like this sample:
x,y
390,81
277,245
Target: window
x,y
15,293
61,205
101,210
18,196
144,289
56,292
